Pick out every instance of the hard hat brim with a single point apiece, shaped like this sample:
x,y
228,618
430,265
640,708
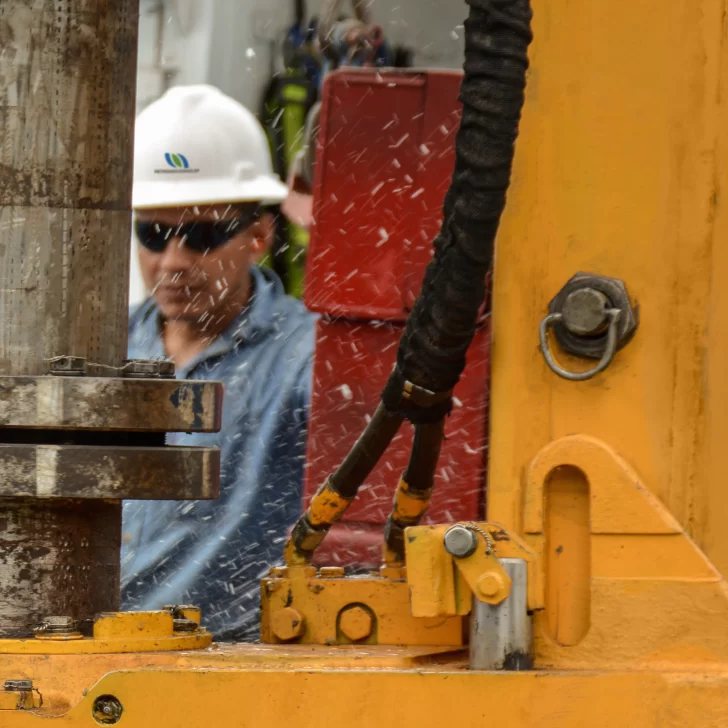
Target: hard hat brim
x,y
181,193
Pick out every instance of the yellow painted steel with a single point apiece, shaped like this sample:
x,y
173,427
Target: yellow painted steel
x,y
409,508
441,585
327,506
621,170
18,700
320,602
244,694
119,632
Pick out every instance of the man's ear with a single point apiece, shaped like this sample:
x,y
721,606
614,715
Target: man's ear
x,y
263,230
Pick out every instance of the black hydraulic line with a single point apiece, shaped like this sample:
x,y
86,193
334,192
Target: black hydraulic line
x,y
420,472
441,326
414,491
443,320
339,490
366,452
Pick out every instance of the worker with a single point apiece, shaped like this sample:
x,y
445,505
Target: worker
x,y
202,178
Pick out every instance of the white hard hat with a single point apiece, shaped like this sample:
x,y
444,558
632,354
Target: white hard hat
x,y
196,146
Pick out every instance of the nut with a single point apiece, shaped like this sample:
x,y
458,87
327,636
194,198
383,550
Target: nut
x,y
585,312
107,710
18,685
492,588
460,541
355,623
185,625
57,627
148,369
67,366
287,624
593,286
331,572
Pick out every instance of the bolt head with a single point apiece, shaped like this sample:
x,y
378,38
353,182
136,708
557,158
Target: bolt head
x,y
18,685
592,346
287,624
107,710
332,572
355,623
70,366
490,586
185,625
585,312
460,541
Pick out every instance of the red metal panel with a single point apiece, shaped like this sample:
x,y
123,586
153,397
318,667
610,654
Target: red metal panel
x,y
386,156
424,207
352,363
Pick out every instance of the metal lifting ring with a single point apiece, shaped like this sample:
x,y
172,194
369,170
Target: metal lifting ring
x,y
609,351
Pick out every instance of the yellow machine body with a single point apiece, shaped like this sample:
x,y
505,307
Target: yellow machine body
x,y
614,489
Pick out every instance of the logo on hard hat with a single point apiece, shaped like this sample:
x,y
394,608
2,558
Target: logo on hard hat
x,y
176,163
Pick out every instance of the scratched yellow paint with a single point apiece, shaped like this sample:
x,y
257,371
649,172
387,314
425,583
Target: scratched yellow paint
x,y
622,170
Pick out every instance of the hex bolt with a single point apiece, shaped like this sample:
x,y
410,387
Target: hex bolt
x,y
583,306
288,624
148,369
67,366
585,312
332,572
460,541
13,686
356,623
107,710
490,585
185,625
57,625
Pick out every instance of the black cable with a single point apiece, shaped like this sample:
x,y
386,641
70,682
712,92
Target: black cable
x,y
443,320
420,480
420,472
366,452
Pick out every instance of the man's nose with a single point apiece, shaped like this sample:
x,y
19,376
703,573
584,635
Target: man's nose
x,y
177,257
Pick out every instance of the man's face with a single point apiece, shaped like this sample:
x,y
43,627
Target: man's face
x,y
192,284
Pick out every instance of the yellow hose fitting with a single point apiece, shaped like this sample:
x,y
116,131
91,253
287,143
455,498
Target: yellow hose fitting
x,y
327,506
408,508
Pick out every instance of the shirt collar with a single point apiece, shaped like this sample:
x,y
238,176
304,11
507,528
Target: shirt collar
x,y
257,319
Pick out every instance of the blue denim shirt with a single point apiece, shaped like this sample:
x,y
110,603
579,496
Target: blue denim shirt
x,y
212,553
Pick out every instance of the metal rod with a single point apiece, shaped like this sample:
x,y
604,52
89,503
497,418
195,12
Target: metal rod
x,y
501,635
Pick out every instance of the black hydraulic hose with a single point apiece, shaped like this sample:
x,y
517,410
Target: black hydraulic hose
x,y
414,491
443,321
366,452
420,472
338,491
441,326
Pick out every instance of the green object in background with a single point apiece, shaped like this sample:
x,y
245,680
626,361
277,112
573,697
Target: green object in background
x,y
286,104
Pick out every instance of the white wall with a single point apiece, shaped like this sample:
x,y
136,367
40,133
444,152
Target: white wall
x,y
229,43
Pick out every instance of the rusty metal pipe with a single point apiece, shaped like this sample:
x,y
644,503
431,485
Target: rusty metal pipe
x,y
67,104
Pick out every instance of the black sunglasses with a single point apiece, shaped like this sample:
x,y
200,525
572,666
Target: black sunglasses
x,y
200,236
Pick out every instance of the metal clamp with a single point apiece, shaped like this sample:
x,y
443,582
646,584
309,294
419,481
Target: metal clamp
x,y
609,351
